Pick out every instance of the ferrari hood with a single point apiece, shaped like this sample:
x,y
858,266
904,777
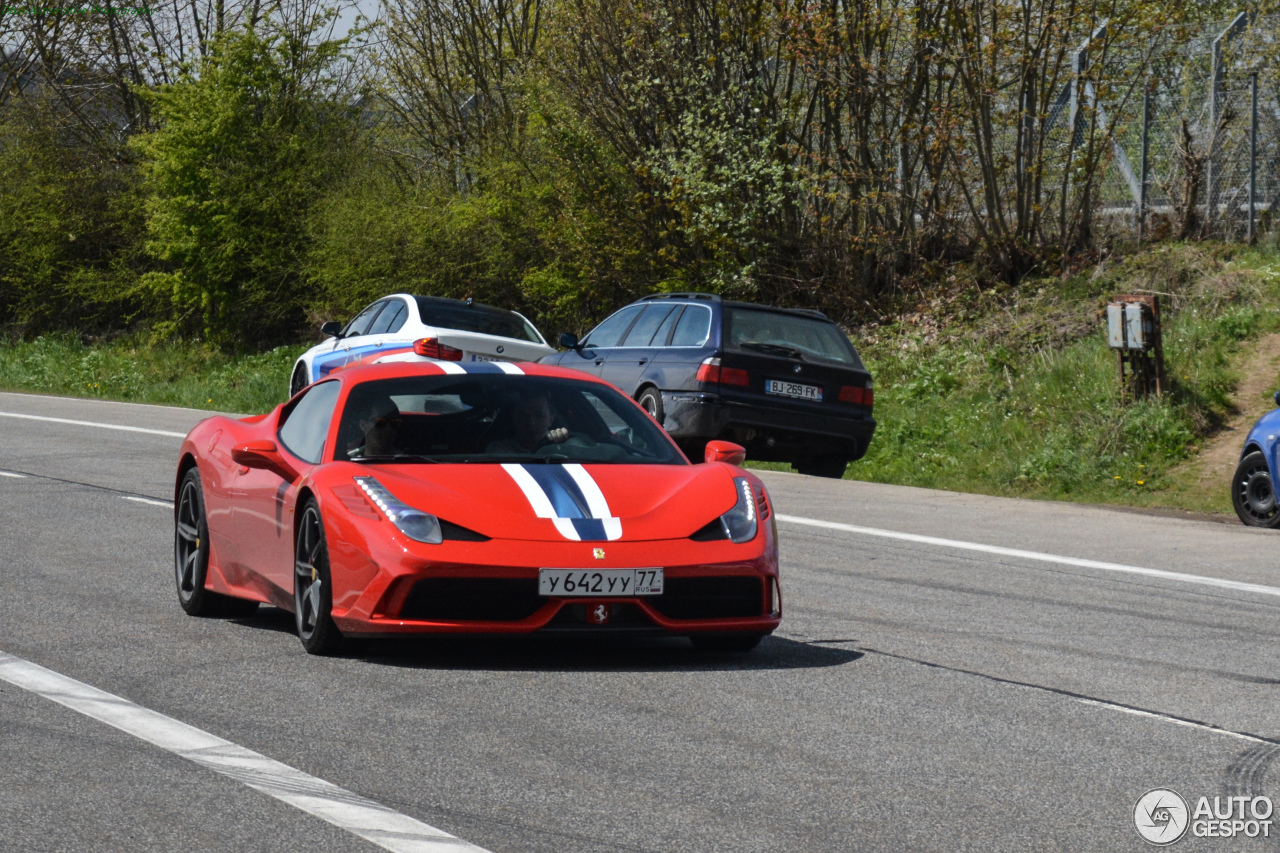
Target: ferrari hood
x,y
552,502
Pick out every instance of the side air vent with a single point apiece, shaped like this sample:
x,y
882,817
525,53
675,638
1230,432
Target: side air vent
x,y
763,501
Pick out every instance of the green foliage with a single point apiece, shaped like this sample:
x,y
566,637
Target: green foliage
x,y
548,237
68,231
248,143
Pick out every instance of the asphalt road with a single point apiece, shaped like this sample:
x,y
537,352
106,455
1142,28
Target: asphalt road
x,y
918,696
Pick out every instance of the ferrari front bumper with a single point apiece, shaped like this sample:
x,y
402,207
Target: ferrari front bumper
x,y
429,597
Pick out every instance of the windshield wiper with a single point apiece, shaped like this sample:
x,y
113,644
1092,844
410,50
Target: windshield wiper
x,y
526,457
399,457
773,349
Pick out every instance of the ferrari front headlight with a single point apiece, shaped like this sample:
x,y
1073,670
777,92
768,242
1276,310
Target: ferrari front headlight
x,y
741,522
414,523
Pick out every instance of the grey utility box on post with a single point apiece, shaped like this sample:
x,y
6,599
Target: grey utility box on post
x,y
1130,325
1133,330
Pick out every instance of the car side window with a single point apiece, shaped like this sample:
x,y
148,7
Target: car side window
x,y
693,328
664,331
307,424
360,325
608,333
643,330
391,318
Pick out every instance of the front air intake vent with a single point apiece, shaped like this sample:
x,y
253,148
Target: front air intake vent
x,y
472,600
710,598
712,532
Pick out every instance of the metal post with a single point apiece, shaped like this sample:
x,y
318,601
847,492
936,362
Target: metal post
x,y
1253,149
1217,75
1142,184
1079,61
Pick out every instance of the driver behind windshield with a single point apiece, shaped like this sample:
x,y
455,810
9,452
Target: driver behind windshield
x,y
532,430
379,424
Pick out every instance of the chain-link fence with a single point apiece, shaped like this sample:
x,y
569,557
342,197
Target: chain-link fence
x,y
1193,150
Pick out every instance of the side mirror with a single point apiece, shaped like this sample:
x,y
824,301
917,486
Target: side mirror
x,y
725,451
569,340
332,328
264,455
1277,399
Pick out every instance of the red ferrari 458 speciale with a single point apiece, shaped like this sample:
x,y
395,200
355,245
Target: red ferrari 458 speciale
x,y
485,498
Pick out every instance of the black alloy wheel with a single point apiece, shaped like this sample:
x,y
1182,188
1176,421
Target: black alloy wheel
x,y
299,380
1253,494
736,642
822,466
650,400
312,590
191,556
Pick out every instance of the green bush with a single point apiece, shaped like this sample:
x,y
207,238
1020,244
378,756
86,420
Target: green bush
x,y
246,146
69,228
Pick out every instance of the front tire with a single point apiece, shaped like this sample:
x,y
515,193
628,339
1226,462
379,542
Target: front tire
x,y
299,380
1253,493
312,586
191,556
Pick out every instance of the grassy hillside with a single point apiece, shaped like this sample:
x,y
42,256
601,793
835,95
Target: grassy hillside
x,y
1008,391
1015,392
132,369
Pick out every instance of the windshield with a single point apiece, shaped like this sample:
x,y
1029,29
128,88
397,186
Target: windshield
x,y
493,418
484,319
787,335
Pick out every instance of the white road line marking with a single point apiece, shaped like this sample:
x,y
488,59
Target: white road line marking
x,y
371,821
15,476
1167,719
93,424
165,504
1238,586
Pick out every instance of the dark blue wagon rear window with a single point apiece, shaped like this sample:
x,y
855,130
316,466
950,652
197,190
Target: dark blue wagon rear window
x,y
787,335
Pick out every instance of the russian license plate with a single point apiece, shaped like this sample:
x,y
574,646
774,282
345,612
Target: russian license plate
x,y
793,389
599,582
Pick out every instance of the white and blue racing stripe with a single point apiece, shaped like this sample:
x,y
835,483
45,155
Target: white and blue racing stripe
x,y
323,366
568,496
481,367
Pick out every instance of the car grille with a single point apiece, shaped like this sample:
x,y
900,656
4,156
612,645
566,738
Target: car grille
x,y
710,598
472,600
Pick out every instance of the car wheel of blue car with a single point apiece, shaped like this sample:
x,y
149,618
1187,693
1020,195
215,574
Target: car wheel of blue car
x,y
1253,494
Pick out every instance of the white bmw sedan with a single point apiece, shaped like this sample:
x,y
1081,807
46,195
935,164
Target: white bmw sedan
x,y
403,327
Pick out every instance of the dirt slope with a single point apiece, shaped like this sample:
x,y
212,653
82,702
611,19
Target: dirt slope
x,y
1205,478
